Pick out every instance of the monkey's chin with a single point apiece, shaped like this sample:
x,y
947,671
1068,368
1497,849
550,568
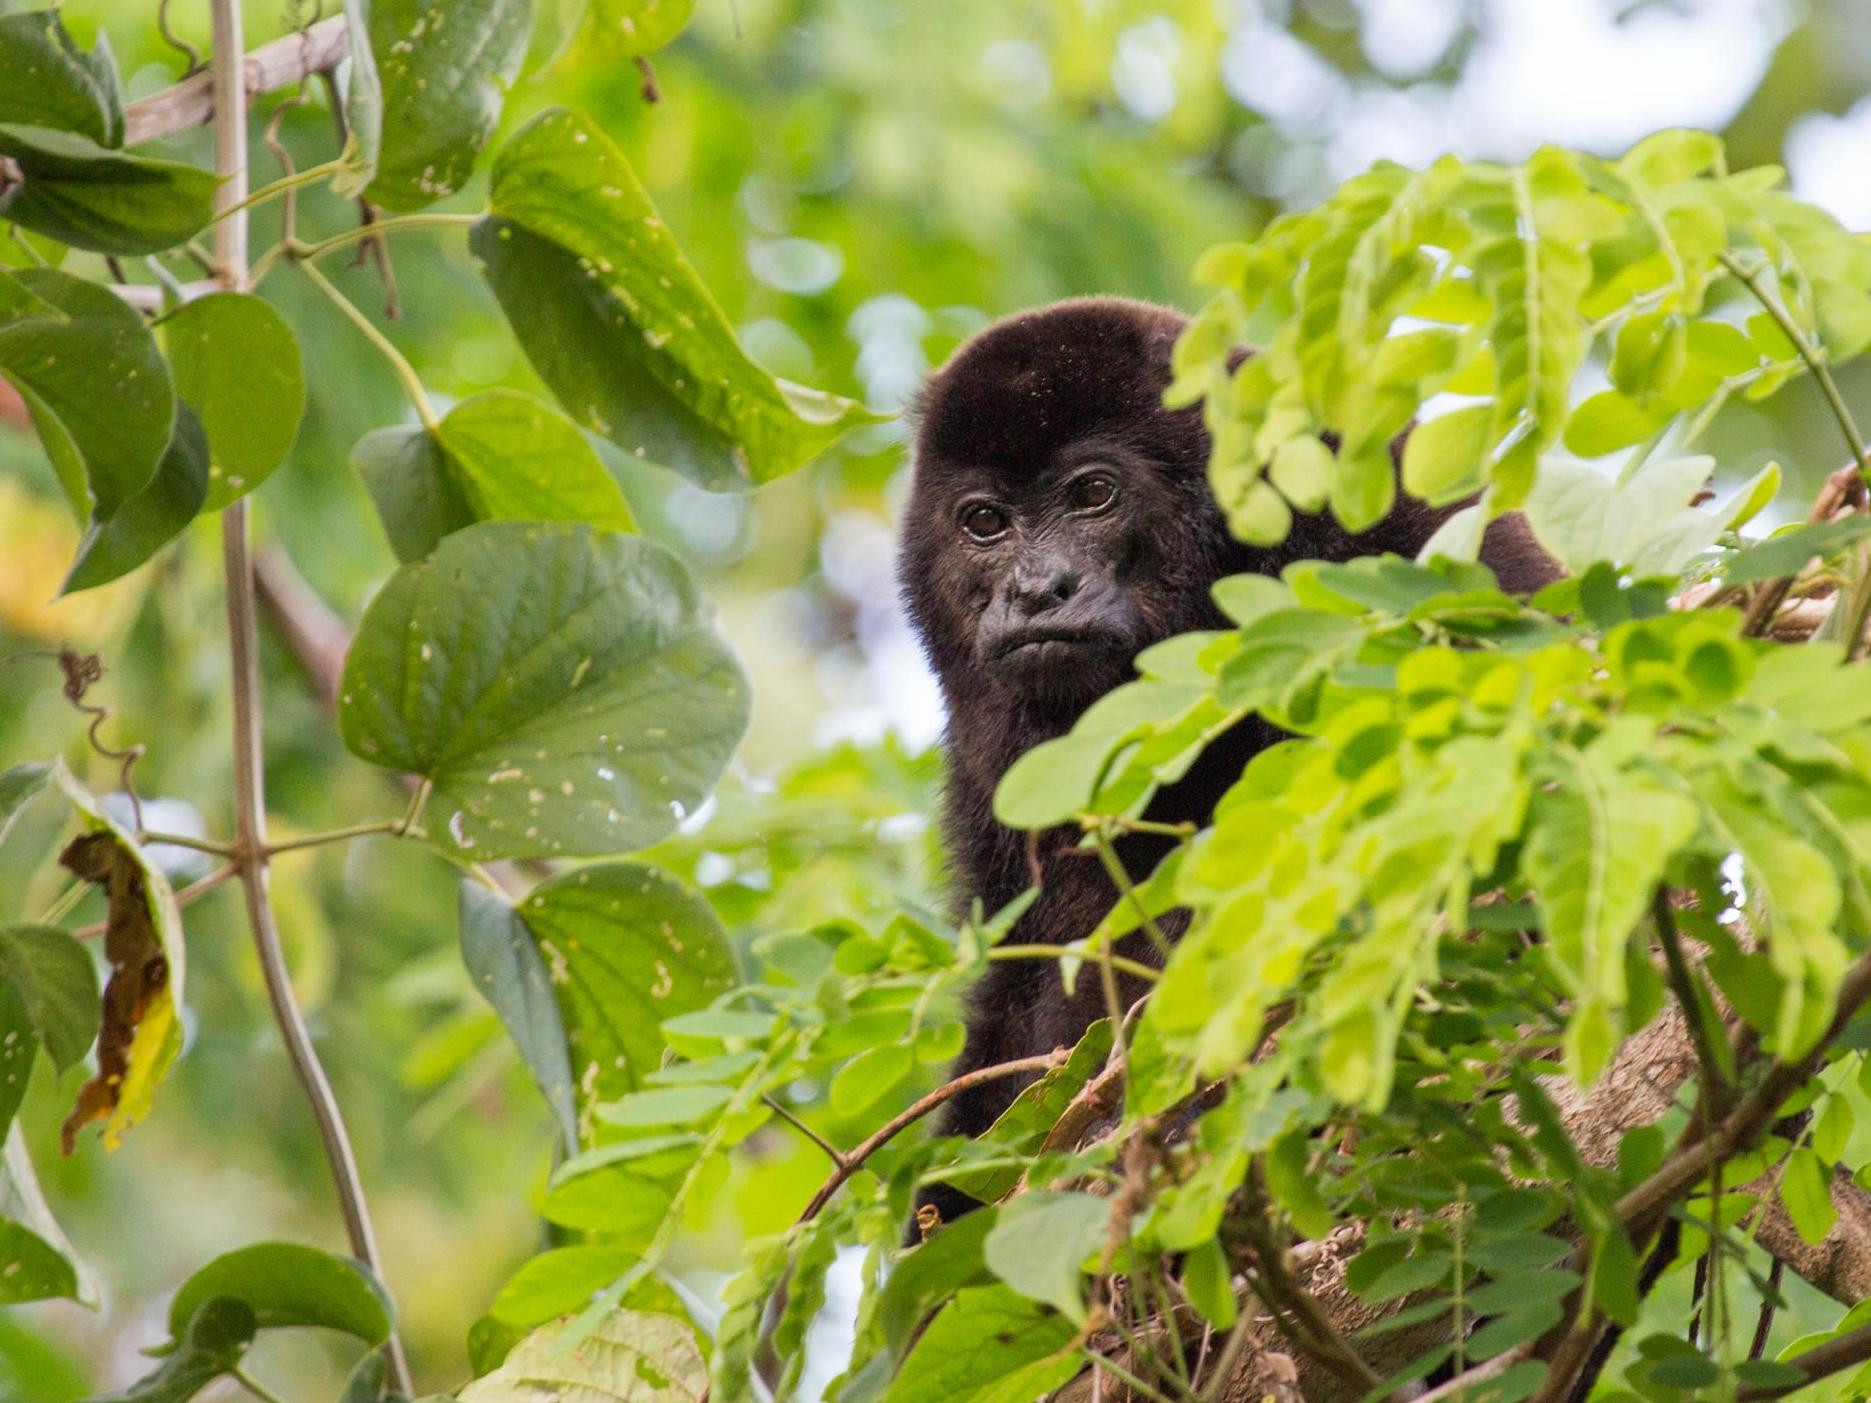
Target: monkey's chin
x,y
1061,671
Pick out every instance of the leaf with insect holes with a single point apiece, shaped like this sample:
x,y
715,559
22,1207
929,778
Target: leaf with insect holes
x,y
560,687
615,319
444,70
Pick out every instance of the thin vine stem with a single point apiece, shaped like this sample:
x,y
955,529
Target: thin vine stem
x,y
305,253
1135,968
272,190
405,372
230,247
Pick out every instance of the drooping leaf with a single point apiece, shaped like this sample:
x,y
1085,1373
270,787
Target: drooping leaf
x,y
236,364
445,67
27,1207
625,946
558,686
69,347
498,455
141,1032
286,1284
93,197
31,1269
19,1045
56,980
51,82
615,320
508,971
211,1346
151,519
1806,1190
628,1357
363,105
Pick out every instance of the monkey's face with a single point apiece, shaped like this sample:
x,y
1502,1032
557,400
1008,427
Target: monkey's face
x,y
1059,518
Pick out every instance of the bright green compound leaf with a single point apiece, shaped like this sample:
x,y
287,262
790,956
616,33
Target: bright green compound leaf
x,y
869,1076
145,946
445,66
505,964
989,1343
620,29
1788,552
559,687
212,1345
1040,1243
627,1357
287,1284
51,82
67,346
1645,523
18,785
92,197
151,519
1442,459
497,456
31,1269
57,982
625,946
236,364
615,320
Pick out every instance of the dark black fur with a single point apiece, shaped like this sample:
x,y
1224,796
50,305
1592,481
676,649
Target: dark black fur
x,y
1014,415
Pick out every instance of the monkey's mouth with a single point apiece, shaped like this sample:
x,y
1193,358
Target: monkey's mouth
x,y
1055,640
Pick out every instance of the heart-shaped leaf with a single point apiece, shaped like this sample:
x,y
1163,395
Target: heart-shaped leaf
x,y
559,687
93,381
93,197
51,82
615,320
498,455
445,69
236,364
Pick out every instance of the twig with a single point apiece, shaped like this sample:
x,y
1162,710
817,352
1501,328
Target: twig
x,y
405,372
1816,1363
363,233
849,1163
1480,1374
1842,488
191,102
774,1104
1764,1322
229,105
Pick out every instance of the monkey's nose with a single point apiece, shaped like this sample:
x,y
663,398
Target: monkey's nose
x,y
1039,595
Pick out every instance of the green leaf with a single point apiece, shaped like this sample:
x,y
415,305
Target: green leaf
x,y
1806,1189
560,687
1302,469
54,975
665,1105
496,456
1788,552
624,29
212,1345
625,946
1442,459
615,320
286,1284
559,1282
627,1357
92,197
18,785
363,105
1039,1243
927,1277
1209,1282
1614,1276
31,1269
988,1345
505,964
869,1076
151,519
51,82
444,67
1646,522
236,364
70,347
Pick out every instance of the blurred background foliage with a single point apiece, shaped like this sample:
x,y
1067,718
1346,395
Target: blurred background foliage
x,y
862,184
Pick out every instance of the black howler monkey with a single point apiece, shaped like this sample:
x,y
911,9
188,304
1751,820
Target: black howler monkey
x,y
1059,521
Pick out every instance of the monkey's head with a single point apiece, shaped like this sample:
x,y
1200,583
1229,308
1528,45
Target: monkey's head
x,y
1059,518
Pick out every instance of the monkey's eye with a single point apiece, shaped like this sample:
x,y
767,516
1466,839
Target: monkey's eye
x,y
1093,492
983,522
